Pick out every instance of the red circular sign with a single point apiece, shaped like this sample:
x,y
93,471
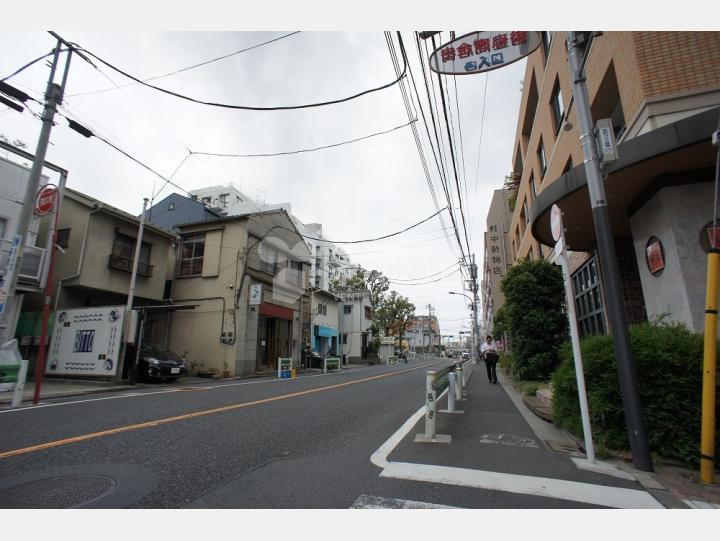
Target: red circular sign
x,y
556,222
45,199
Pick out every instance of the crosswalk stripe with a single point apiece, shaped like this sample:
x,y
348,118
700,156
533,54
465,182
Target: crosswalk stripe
x,y
376,502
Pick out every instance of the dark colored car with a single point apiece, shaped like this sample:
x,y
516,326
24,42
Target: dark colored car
x,y
156,362
313,359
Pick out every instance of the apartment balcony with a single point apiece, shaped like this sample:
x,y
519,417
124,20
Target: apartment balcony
x,y
124,264
32,265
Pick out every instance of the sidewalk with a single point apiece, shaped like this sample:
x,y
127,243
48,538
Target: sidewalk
x,y
498,443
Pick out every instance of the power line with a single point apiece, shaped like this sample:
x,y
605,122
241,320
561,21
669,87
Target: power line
x,y
429,282
423,277
189,67
242,107
23,68
270,154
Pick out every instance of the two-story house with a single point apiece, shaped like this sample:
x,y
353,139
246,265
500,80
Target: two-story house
x,y
248,275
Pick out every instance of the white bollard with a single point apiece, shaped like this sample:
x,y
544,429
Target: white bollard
x,y
430,413
459,380
451,393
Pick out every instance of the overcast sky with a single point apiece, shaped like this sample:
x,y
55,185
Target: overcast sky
x,y
361,190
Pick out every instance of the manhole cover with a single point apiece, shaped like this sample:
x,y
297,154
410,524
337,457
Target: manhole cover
x,y
57,492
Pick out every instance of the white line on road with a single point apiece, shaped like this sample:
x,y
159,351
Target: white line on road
x,y
621,498
165,391
376,502
506,482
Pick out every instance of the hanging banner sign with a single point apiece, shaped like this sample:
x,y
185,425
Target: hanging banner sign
x,y
478,52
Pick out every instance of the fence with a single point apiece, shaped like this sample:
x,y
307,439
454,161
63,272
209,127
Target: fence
x,y
454,379
331,363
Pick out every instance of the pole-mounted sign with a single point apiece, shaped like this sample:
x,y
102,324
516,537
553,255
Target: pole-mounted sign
x,y
478,52
45,200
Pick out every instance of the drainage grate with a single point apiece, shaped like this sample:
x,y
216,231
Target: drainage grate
x,y
564,447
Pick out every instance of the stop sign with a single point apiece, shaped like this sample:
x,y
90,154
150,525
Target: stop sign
x,y
45,199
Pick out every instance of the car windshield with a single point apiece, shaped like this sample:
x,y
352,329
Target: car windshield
x,y
154,349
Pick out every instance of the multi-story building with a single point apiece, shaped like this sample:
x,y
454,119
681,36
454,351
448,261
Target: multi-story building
x,y
248,274
326,322
176,209
497,255
661,93
423,334
356,319
230,201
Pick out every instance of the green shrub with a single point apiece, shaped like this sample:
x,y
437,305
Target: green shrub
x,y
668,359
533,316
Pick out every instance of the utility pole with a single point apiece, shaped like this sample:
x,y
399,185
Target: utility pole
x,y
53,98
474,285
608,264
131,297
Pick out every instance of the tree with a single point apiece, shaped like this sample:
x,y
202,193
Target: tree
x,y
395,314
373,281
534,317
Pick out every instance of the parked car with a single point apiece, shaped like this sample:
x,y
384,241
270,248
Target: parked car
x,y
156,362
313,359
465,355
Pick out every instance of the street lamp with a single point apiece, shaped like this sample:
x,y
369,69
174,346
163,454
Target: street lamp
x,y
474,328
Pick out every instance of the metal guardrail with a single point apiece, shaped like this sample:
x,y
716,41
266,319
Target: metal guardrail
x,y
436,382
12,377
454,378
332,363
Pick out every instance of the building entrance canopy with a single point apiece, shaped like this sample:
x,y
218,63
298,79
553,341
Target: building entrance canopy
x,y
678,153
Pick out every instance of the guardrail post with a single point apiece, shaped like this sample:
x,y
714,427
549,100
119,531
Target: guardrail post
x,y
460,383
451,393
431,413
20,385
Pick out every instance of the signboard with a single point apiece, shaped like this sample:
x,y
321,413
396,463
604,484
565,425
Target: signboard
x,y
654,256
605,134
389,341
255,294
478,52
86,341
9,269
45,200
285,365
496,257
556,222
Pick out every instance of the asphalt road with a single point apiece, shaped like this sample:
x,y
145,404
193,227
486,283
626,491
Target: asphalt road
x,y
263,443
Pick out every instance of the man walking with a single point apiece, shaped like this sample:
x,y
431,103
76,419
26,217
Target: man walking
x,y
489,352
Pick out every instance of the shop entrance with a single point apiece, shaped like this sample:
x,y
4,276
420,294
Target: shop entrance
x,y
273,342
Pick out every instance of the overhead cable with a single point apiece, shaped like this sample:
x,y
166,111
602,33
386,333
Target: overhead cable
x,y
189,67
243,107
299,151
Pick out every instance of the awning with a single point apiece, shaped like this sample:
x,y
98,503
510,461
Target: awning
x,y
273,310
327,332
678,153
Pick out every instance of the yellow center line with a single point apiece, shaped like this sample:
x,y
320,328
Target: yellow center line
x,y
158,422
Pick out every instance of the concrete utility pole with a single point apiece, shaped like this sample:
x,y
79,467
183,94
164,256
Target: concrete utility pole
x,y
608,264
53,98
474,285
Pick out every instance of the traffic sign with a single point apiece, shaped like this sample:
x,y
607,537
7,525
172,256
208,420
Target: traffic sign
x,y
45,200
556,222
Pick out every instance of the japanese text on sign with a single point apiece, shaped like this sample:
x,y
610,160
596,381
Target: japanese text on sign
x,y
483,51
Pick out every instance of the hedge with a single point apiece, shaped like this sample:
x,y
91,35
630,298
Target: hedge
x,y
668,359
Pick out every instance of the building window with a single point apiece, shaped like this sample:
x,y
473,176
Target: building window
x,y
347,309
63,238
224,200
541,158
192,253
317,281
123,255
294,272
558,108
268,259
532,186
171,206
568,166
344,339
207,201
588,299
546,43
321,309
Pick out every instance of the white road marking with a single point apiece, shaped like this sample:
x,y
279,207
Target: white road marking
x,y
621,498
520,484
376,502
164,391
698,504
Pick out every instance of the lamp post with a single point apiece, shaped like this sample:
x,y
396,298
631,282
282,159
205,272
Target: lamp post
x,y
474,328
